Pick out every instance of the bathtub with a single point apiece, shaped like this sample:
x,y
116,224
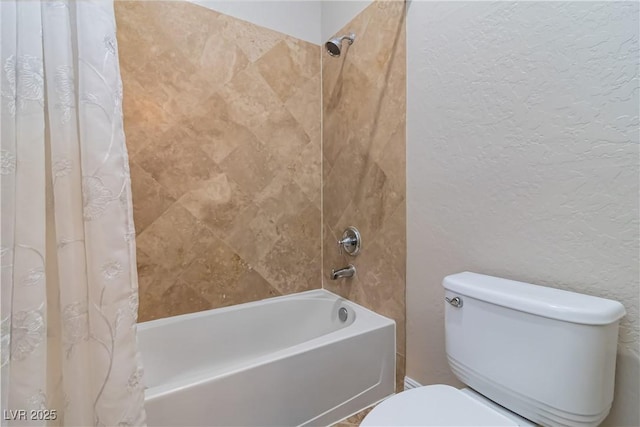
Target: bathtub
x,y
284,361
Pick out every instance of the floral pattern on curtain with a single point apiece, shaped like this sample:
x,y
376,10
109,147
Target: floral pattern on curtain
x,y
69,294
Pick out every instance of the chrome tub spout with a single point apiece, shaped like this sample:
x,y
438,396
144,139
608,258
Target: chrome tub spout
x,y
348,271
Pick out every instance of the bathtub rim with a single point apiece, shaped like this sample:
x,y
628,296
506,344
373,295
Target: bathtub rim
x,y
310,294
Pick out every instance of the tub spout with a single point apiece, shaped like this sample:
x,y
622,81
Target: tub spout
x,y
348,271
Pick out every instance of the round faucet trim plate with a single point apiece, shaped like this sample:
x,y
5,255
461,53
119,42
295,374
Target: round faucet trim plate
x,y
350,241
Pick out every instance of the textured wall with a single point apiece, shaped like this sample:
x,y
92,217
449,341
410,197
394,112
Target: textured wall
x,y
338,13
523,161
223,128
299,19
364,162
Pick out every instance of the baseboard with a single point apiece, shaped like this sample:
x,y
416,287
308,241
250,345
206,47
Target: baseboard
x,y
411,383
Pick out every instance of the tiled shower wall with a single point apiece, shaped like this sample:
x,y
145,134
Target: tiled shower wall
x,y
364,109
223,123
222,119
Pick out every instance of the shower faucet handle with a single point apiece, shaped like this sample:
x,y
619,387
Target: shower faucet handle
x,y
344,243
350,241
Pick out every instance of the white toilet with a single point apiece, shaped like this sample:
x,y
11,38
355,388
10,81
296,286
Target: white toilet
x,y
547,356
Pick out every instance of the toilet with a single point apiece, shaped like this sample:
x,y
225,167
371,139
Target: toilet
x,y
530,355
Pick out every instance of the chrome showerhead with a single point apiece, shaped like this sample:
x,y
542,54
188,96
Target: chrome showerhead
x,y
334,46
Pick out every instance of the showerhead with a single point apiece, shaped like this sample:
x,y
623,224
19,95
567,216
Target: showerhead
x,y
334,46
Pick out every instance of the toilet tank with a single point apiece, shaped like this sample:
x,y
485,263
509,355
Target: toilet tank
x,y
546,354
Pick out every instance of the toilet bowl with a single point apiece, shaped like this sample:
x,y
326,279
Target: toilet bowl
x,y
531,355
444,406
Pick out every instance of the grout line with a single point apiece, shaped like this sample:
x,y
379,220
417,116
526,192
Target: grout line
x,y
321,172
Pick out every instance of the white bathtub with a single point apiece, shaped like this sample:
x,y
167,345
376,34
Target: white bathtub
x,y
282,361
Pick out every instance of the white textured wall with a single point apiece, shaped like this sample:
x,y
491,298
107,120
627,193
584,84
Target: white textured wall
x,y
297,18
312,20
522,157
338,13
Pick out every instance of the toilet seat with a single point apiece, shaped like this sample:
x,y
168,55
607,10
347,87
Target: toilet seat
x,y
435,405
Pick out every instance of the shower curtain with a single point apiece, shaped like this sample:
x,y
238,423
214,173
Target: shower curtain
x,y
69,287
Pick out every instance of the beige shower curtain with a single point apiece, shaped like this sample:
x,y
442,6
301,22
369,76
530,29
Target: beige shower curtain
x,y
69,284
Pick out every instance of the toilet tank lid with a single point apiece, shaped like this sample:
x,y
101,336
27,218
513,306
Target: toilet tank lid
x,y
539,300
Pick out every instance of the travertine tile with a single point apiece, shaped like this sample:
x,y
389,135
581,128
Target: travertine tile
x,y
150,22
221,59
252,103
282,197
306,170
354,420
306,55
400,372
288,59
225,175
174,239
401,326
251,286
202,24
136,30
157,273
150,199
302,230
314,275
167,79
283,136
356,102
251,166
182,299
289,274
253,235
144,118
153,277
214,272
392,159
177,163
305,106
212,130
250,98
364,162
216,203
383,31
346,178
357,418
352,107
150,307
390,121
339,132
378,197
254,40
392,239
326,168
